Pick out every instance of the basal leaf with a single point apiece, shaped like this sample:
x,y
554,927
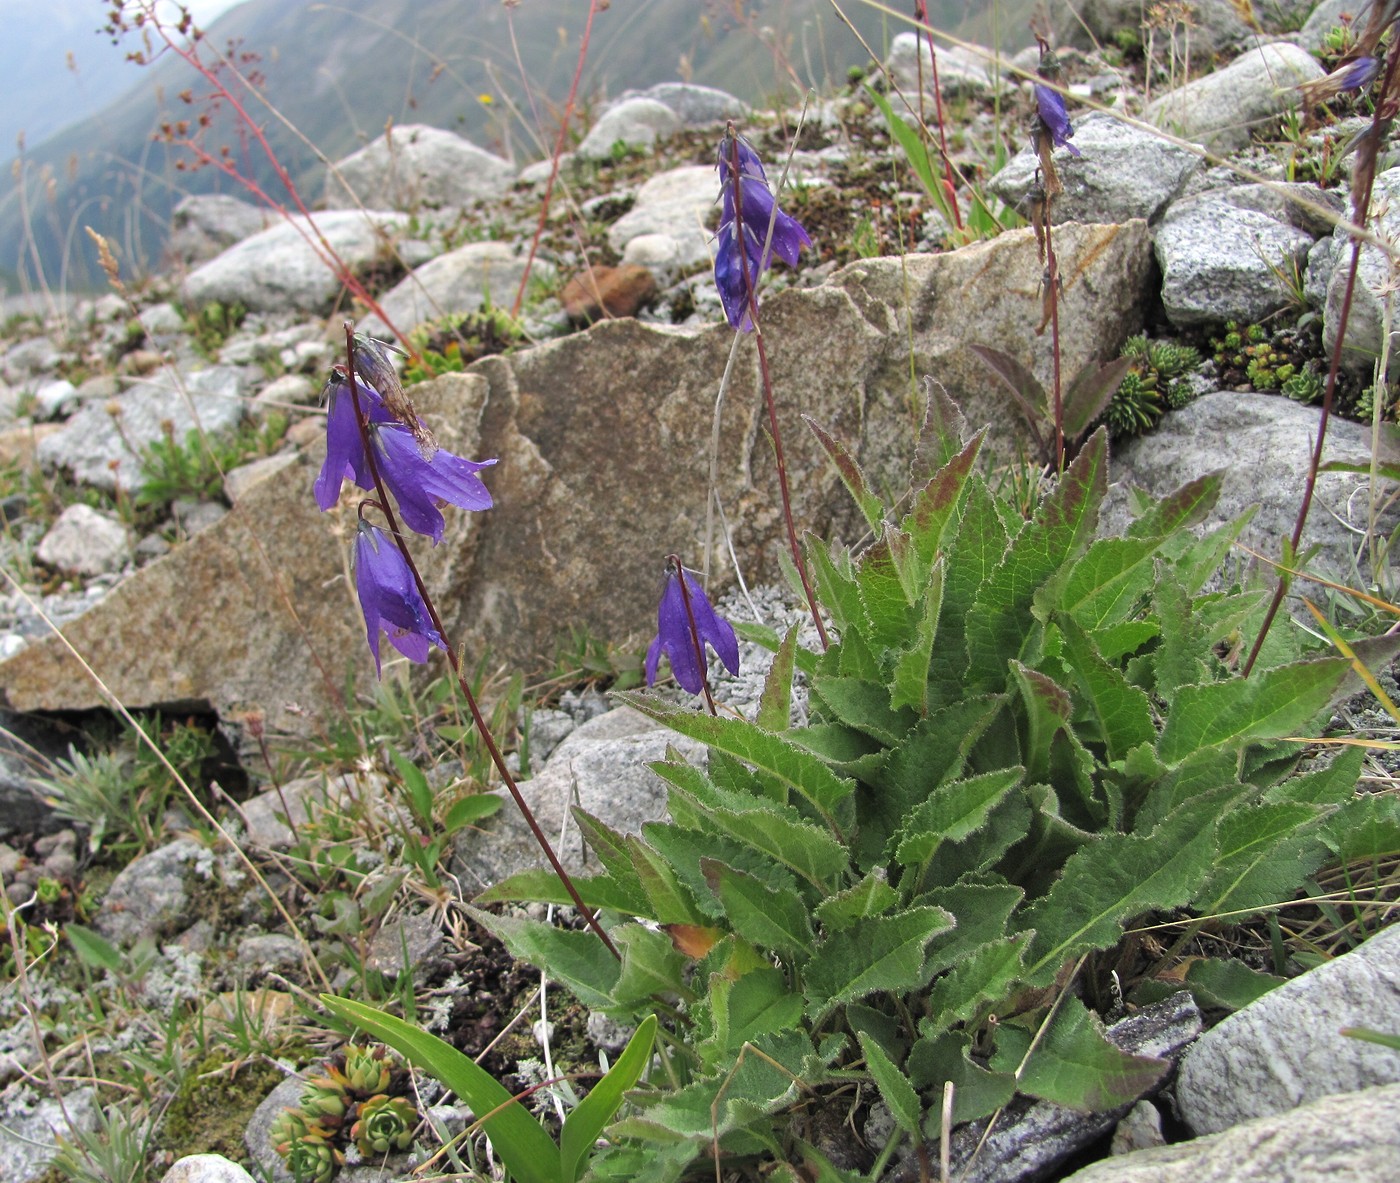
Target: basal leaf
x,y
894,1087
1109,881
883,578
1268,705
884,953
872,896
934,508
744,1009
1367,828
1075,1065
541,885
775,705
577,959
981,911
941,433
764,750
864,704
866,499
1105,584
952,812
942,1056
651,966
1047,711
836,584
1333,784
1178,511
1265,854
775,918
669,900
1227,982
909,683
985,975
1123,712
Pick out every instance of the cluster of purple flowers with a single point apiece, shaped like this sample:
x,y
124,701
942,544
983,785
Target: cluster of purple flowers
x,y
747,209
418,475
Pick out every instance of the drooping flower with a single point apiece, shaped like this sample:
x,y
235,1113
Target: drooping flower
x,y
673,636
1054,119
390,599
747,209
345,448
1358,74
421,483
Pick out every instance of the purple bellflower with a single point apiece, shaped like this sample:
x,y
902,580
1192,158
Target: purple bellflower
x,y
1358,74
345,447
421,483
746,211
673,636
390,598
1054,118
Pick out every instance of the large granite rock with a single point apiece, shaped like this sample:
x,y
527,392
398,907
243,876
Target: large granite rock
x,y
1264,443
283,269
415,167
603,440
1224,109
1286,1049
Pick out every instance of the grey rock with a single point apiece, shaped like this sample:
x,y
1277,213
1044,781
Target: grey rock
x,y
1125,173
1305,207
278,269
1032,1136
602,767
95,450
460,281
1375,272
676,203
1218,261
287,391
1326,17
28,745
547,730
161,320
415,167
1139,1129
266,816
205,224
193,516
411,944
658,253
695,106
634,123
38,355
84,542
257,1137
53,400
29,1125
1350,1138
150,896
1222,110
1215,25
1264,443
239,480
962,69
205,1168
603,439
1285,1049
268,952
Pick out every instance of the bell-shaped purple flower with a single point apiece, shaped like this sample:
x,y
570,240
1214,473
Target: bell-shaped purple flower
x,y
1054,119
345,448
1358,74
747,208
390,599
673,637
421,483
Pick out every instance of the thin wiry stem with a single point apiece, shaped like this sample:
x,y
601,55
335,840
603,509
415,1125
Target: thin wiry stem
x,y
386,506
750,281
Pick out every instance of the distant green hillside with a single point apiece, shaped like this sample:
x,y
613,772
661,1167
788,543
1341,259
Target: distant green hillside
x,y
338,72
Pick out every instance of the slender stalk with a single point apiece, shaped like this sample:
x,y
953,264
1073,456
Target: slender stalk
x,y
1364,177
593,6
695,640
386,507
1052,274
770,402
926,33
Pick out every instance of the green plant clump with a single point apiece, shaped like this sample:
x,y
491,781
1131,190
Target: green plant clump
x,y
1026,739
1155,381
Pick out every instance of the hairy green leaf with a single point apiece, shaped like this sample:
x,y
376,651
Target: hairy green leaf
x,y
895,1090
866,499
1075,1065
774,918
884,953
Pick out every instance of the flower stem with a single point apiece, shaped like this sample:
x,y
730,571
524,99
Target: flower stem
x,y
1052,279
477,718
769,401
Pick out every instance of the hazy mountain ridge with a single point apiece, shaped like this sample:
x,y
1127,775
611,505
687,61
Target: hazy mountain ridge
x,y
338,74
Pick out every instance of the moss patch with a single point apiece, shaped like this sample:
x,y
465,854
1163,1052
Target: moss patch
x,y
213,1107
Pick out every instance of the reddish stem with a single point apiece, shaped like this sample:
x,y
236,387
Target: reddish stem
x,y
926,31
1053,279
750,282
554,160
477,718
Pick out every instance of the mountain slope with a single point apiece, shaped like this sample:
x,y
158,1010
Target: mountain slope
x,y
338,72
